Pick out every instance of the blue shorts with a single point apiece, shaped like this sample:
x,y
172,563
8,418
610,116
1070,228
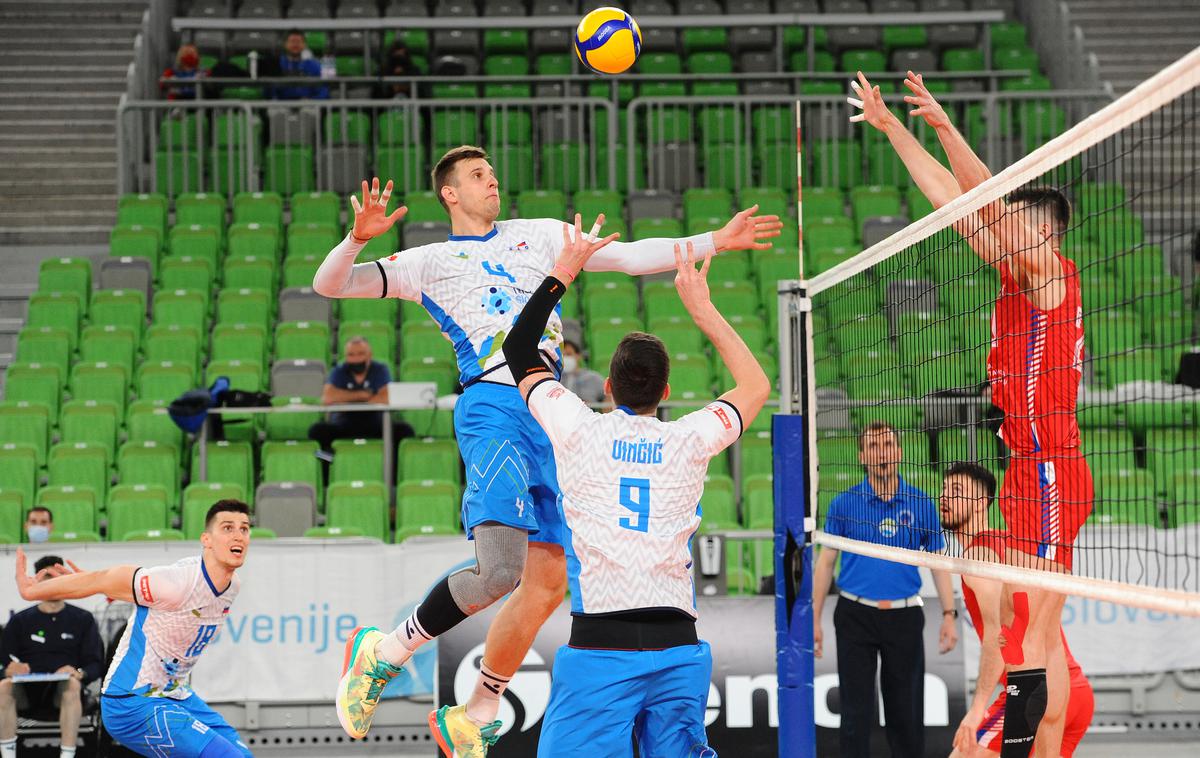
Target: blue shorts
x,y
509,464
158,727
598,698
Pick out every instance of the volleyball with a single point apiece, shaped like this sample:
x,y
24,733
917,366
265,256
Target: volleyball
x,y
608,41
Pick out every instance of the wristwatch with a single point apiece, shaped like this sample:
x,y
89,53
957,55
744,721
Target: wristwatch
x,y
953,613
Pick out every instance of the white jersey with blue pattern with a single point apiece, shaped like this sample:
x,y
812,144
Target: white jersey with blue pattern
x,y
631,490
475,287
179,613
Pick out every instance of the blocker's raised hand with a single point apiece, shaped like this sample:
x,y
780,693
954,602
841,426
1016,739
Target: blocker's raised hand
x,y
927,108
370,216
870,101
745,229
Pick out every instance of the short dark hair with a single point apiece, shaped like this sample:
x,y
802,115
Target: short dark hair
x,y
878,425
638,371
976,473
290,32
46,561
225,506
43,508
1047,200
445,167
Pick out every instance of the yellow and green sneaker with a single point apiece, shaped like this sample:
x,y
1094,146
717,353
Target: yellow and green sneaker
x,y
363,678
458,736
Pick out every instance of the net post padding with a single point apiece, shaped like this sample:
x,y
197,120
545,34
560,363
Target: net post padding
x,y
1167,85
1151,598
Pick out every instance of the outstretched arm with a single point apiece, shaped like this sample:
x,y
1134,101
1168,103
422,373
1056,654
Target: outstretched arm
x,y
656,255
969,170
115,582
339,276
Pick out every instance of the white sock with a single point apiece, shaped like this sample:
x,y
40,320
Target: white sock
x,y
398,647
8,748
484,702
66,752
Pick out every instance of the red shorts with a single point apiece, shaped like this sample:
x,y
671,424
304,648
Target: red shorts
x,y
1045,501
1080,704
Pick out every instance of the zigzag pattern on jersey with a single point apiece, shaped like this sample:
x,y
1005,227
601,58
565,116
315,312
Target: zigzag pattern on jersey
x,y
504,467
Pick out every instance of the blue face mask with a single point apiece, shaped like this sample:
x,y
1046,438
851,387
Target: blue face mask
x,y
39,533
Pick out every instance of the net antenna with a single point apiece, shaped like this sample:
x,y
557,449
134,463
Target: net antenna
x,y
900,332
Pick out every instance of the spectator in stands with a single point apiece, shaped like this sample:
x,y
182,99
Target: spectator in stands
x,y
51,637
584,382
298,61
880,610
399,62
38,526
186,67
357,379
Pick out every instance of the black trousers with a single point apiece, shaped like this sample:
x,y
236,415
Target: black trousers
x,y
896,637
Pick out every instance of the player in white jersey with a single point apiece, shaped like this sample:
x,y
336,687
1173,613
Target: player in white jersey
x,y
631,492
475,285
147,702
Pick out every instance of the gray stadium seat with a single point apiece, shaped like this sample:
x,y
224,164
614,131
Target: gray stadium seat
x,y
652,204
846,6
796,6
894,6
914,60
297,378
343,167
751,38
1008,6
659,40
245,41
554,8
880,228
287,508
943,36
302,304
561,125
259,9
651,8
910,296
943,6
292,126
757,62
126,273
747,7
455,9
677,162
402,8
834,408
309,9
456,41
558,40
425,233
505,8
854,37
699,8
765,88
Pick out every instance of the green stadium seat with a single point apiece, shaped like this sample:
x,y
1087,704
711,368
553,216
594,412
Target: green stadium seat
x,y
46,346
114,345
303,340
430,369
145,209
509,126
660,63
136,507
75,508
177,172
289,169
180,344
429,459
292,461
61,310
403,165
67,275
359,505
705,38
198,498
962,59
423,206
239,342
299,270
12,516
734,297
318,207
356,460
563,166
648,228
422,339
453,127
756,454
822,61
710,62
163,381
149,421
194,241
542,204
265,208
229,462
185,308
19,470
718,503
1007,34
149,462
427,503
26,423
867,61
245,306
254,241
332,532
186,273
610,301
311,238
343,127
912,35
100,381
291,426
92,421
79,464
1125,497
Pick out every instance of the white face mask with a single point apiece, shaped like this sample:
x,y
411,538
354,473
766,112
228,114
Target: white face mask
x,y
570,363
39,533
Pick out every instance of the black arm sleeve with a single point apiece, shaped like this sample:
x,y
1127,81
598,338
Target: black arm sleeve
x,y
521,344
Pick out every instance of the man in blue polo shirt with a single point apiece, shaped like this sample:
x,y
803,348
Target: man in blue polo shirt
x,y
357,379
879,613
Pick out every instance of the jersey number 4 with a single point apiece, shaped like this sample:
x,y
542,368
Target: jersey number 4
x,y
635,495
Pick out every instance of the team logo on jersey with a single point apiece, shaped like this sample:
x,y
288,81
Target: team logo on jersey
x,y
723,416
497,301
145,589
556,393
520,247
888,527
906,517
460,254
498,270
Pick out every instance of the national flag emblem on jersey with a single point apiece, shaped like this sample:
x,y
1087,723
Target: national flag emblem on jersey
x,y
721,414
520,247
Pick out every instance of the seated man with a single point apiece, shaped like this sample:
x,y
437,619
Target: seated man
x,y
357,379
39,525
297,60
50,637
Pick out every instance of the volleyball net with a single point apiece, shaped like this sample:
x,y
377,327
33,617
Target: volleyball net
x,y
902,335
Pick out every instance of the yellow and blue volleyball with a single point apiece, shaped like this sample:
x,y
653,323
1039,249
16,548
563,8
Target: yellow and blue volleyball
x,y
608,41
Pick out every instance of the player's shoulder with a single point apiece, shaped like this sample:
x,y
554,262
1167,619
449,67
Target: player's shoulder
x,y
414,254
529,226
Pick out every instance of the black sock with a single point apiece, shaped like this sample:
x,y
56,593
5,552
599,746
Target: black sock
x,y
438,613
1024,706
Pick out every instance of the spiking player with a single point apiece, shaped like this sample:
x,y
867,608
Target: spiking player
x,y
475,285
147,701
631,486
967,492
1034,368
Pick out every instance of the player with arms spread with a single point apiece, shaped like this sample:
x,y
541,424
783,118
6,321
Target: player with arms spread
x,y
1035,367
967,493
474,286
631,485
146,701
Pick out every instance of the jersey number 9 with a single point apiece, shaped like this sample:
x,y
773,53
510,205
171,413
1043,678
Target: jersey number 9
x,y
635,495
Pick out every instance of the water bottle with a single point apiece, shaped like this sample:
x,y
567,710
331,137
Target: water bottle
x,y
328,67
